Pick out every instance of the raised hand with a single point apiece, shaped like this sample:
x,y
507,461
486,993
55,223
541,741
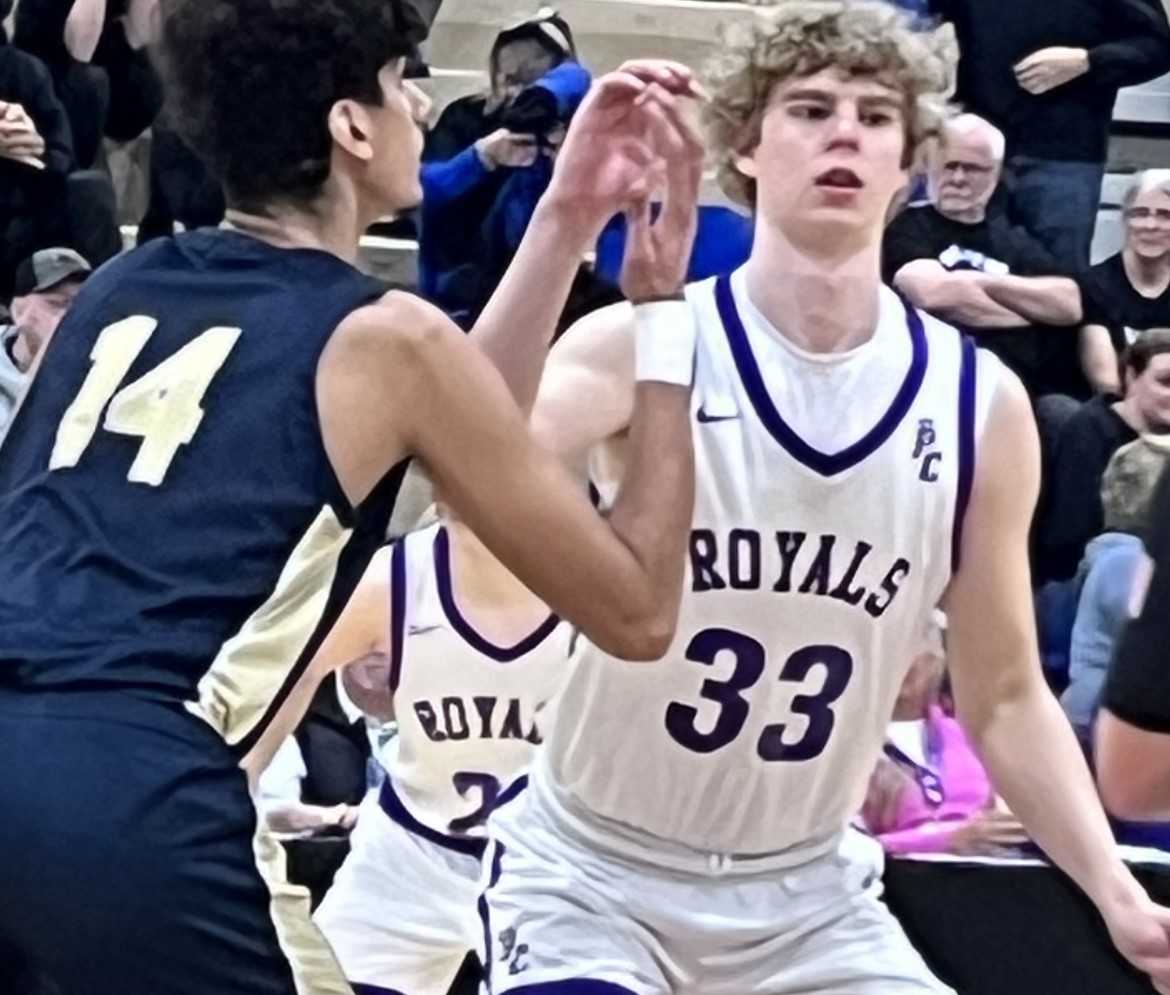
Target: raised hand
x,y
617,147
658,249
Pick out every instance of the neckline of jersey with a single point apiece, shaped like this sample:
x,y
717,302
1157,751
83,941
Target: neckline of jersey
x,y
464,628
825,464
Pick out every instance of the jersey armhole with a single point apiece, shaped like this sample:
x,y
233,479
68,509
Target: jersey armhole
x,y
979,375
397,610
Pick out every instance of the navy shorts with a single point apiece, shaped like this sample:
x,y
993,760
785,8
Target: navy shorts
x,y
130,862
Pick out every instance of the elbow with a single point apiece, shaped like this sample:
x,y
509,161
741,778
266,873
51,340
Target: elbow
x,y
639,639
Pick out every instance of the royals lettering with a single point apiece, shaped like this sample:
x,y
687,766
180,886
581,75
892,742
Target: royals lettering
x,y
796,562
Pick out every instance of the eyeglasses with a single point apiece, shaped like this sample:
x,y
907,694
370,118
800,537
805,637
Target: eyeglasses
x,y
1145,213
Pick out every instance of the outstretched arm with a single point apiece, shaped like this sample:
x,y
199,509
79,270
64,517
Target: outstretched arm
x,y
443,401
1013,720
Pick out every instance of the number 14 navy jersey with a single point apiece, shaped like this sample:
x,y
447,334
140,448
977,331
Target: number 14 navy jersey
x,y
170,524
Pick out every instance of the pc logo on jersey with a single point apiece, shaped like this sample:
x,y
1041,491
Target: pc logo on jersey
x,y
924,450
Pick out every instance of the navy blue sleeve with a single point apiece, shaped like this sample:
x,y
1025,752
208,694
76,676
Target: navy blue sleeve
x,y
1140,48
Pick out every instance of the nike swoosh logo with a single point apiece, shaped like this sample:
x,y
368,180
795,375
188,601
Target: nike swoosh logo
x,y
706,419
420,630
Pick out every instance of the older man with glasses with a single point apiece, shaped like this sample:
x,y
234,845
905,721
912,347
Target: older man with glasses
x,y
959,258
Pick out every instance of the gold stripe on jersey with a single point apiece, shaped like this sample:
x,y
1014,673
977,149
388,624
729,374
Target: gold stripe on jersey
x,y
314,967
252,666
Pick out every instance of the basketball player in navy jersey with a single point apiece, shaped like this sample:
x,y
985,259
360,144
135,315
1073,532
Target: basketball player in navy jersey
x,y
685,830
212,451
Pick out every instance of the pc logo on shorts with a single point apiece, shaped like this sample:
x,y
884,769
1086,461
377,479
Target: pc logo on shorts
x,y
924,450
513,951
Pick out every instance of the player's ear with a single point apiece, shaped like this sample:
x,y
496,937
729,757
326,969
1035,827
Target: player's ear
x,y
351,128
745,164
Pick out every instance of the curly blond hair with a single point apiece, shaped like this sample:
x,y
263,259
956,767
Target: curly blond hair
x,y
802,37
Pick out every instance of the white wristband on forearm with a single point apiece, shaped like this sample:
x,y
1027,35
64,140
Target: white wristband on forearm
x,y
664,342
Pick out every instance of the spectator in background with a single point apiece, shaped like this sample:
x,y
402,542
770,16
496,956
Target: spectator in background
x,y
279,798
181,188
1109,570
1133,728
488,159
95,50
1088,441
929,792
968,266
36,156
46,285
1047,73
1129,293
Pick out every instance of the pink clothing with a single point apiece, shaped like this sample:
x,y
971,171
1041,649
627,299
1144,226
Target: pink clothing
x,y
922,827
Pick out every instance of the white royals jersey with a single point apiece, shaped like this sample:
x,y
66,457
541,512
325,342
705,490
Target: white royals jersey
x,y
469,712
829,503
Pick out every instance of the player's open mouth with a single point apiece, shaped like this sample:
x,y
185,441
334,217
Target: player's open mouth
x,y
840,179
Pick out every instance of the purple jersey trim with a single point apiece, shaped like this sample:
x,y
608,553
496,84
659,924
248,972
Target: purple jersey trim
x,y
501,654
397,610
359,989
826,464
967,368
497,855
391,804
572,986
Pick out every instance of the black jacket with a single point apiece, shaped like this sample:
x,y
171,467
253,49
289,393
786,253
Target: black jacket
x,y
24,80
1128,43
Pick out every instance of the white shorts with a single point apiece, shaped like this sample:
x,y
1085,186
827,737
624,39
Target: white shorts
x,y
401,915
560,912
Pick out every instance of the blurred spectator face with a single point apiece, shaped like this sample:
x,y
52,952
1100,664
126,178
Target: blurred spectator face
x,y
1147,223
520,63
830,158
38,314
967,170
1150,392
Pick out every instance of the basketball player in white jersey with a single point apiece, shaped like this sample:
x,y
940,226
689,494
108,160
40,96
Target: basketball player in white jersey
x,y
857,465
467,659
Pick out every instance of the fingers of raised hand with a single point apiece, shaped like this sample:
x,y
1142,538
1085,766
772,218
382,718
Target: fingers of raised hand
x,y
672,76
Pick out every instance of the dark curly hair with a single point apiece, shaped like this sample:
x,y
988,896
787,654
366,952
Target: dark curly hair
x,y
251,82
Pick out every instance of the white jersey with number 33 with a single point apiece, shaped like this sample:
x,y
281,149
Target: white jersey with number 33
x,y
829,504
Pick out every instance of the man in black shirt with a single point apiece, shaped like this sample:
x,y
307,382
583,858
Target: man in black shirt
x,y
1133,730
1129,293
36,156
1085,445
95,52
964,263
1048,73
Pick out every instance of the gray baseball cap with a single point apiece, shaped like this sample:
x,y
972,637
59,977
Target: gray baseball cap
x,y
45,269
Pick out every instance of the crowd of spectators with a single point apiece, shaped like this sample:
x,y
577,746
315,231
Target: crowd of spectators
x,y
996,241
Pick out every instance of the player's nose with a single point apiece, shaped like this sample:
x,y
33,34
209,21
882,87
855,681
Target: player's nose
x,y
420,103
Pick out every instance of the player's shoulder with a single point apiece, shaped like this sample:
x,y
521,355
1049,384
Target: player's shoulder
x,y
398,330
